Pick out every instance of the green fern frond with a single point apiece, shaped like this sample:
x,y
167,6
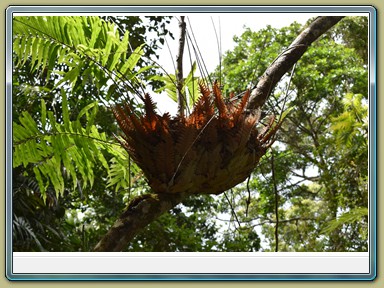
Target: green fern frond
x,y
67,146
82,43
120,167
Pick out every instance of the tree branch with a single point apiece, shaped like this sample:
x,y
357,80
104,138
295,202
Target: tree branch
x,y
288,58
141,211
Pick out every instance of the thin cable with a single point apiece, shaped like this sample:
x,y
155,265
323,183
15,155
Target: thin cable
x,y
199,57
218,41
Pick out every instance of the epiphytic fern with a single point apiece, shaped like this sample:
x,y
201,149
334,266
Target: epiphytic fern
x,y
206,152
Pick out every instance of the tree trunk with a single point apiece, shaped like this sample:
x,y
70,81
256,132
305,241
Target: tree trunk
x,y
144,209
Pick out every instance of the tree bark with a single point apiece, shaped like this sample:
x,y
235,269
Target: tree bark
x,y
144,209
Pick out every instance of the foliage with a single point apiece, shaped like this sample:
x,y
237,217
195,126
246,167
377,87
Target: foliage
x,y
347,31
190,88
53,145
59,110
253,53
352,123
148,30
89,47
193,227
320,157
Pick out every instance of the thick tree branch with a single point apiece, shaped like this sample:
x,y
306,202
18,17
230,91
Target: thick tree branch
x,y
288,58
141,211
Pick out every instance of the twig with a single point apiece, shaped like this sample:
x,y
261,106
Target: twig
x,y
276,203
249,196
232,209
179,62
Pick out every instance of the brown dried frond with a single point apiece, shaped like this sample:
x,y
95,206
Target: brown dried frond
x,y
203,110
244,100
221,106
214,148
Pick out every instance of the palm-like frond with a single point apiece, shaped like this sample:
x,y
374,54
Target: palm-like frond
x,y
84,44
23,234
55,145
89,48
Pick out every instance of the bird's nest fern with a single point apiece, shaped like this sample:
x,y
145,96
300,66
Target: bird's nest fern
x,y
207,152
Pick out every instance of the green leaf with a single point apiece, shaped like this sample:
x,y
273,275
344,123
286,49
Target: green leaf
x,y
96,29
27,121
43,114
40,182
352,216
35,51
65,109
131,62
108,47
285,113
